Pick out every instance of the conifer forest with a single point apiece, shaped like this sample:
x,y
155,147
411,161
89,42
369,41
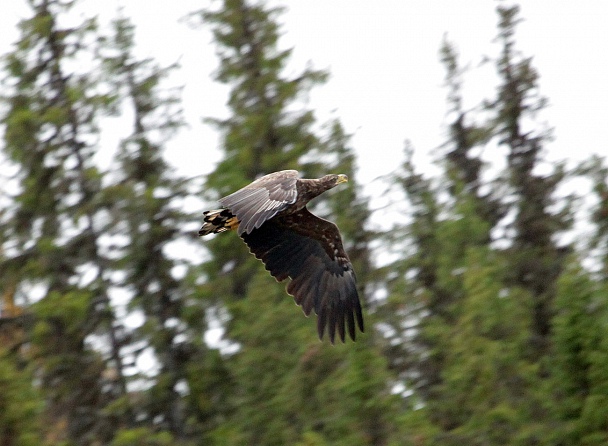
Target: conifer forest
x,y
485,324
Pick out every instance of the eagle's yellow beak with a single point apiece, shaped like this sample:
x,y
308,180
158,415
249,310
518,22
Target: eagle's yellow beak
x,y
342,179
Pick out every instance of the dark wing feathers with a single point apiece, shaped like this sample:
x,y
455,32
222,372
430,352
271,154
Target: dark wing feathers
x,y
263,199
309,250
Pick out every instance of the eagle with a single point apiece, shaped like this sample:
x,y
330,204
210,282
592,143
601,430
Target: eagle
x,y
270,215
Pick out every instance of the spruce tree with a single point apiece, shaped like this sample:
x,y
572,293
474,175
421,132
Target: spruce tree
x,y
275,346
260,136
52,235
148,218
536,258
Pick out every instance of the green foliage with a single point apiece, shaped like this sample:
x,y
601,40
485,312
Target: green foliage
x,y
580,367
142,437
20,404
487,383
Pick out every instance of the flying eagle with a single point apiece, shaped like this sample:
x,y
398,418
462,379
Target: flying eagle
x,y
270,215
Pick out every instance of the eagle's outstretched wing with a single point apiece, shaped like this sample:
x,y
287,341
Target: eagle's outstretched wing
x,y
309,250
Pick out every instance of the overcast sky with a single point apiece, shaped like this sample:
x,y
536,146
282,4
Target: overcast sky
x,y
386,79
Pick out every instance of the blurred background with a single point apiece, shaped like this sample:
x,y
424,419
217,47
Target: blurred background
x,y
476,218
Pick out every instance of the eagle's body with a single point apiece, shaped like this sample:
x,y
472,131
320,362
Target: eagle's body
x,y
270,215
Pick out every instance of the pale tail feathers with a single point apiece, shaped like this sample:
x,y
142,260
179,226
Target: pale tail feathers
x,y
218,220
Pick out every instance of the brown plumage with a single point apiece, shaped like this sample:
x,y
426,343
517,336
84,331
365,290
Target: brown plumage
x,y
270,215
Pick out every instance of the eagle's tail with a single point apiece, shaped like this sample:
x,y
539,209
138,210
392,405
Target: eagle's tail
x,y
219,220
